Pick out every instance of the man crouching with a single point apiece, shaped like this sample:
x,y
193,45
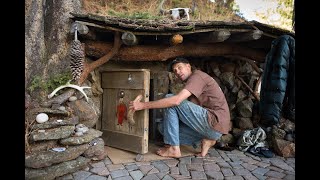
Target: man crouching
x,y
198,113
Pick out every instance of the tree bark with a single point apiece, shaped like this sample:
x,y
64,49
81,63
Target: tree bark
x,y
164,52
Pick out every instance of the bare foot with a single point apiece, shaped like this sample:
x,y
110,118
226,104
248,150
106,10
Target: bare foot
x,y
206,144
170,151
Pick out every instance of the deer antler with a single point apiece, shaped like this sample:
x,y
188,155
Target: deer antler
x,y
131,112
71,86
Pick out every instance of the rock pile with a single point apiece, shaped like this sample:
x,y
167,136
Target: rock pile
x,y
64,143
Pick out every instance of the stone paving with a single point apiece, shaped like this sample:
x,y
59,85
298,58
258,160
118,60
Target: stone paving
x,y
218,164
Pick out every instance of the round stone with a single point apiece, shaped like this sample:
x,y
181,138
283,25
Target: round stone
x,y
72,98
42,117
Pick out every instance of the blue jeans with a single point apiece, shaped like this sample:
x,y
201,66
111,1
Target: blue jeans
x,y
186,124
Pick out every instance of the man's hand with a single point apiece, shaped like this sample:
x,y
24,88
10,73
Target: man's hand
x,y
136,105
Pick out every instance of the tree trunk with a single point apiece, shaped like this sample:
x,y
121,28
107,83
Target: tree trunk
x,y
35,50
47,26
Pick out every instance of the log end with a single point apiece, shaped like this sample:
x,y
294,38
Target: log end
x,y
176,39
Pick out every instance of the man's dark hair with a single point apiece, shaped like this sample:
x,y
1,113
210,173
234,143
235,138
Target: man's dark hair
x,y
175,61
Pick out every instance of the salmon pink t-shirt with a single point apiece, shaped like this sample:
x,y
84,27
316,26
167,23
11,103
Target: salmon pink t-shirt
x,y
208,94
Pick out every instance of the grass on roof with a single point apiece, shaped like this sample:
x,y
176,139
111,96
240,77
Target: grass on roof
x,y
149,9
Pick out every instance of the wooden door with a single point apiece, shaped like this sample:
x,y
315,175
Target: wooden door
x,y
128,83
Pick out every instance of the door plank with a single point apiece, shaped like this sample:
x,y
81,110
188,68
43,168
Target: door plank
x,y
128,142
125,136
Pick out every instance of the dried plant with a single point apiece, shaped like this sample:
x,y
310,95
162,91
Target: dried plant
x,y
29,127
205,10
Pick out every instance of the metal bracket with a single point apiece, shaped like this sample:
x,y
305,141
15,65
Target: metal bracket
x,y
78,27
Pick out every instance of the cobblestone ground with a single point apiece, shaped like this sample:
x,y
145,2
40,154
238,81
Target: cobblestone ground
x,y
217,164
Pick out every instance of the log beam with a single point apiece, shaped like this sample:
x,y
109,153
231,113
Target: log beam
x,y
212,37
245,36
164,52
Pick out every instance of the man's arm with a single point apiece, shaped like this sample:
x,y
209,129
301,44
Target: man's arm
x,y
161,103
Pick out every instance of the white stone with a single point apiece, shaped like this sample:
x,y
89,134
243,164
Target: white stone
x,y
82,129
42,117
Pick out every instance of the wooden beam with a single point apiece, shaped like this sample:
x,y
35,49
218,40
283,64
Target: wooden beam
x,y
162,52
245,36
212,37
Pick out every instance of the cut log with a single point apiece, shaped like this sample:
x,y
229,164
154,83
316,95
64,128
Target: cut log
x,y
129,39
176,39
212,37
164,52
245,36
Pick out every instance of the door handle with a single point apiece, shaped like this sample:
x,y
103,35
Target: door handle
x,y
121,94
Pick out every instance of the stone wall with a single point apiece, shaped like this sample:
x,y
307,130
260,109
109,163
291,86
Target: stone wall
x,y
61,138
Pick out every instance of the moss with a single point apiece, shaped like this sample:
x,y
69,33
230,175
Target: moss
x,y
52,83
35,83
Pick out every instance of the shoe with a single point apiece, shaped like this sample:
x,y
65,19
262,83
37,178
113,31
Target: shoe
x,y
266,152
261,152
